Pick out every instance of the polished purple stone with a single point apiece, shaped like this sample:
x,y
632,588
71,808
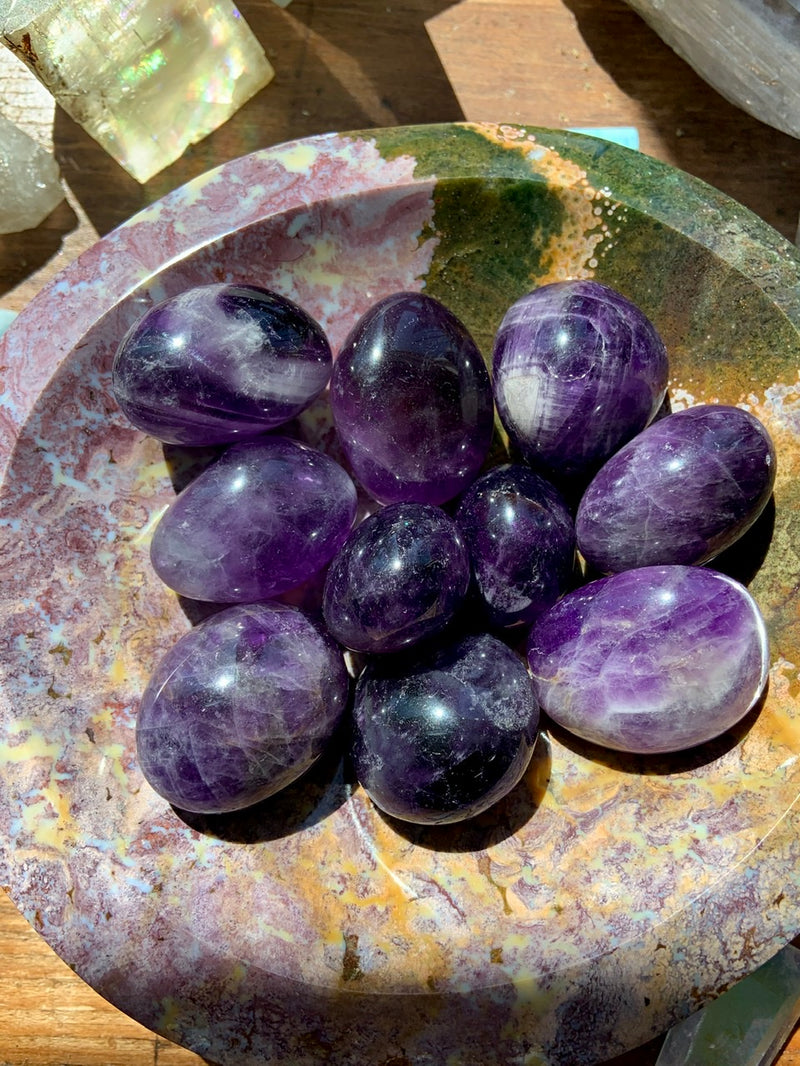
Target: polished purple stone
x,y
400,576
264,518
239,708
683,490
652,660
412,401
521,542
578,370
441,737
220,363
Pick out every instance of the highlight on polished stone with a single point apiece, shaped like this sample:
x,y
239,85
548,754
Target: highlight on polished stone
x,y
652,660
145,79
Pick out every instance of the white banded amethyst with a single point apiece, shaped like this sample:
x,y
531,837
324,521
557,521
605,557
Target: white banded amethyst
x,y
400,576
521,541
444,735
264,518
681,491
412,401
652,660
240,707
578,370
220,363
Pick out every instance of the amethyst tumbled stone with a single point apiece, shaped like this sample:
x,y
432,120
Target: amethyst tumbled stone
x,y
220,363
521,542
652,660
412,401
400,576
264,518
240,707
441,737
578,370
683,490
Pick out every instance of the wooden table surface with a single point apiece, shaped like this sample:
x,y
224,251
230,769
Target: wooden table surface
x,y
351,64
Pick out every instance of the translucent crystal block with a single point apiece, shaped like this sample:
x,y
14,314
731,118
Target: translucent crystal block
x,y
145,79
29,180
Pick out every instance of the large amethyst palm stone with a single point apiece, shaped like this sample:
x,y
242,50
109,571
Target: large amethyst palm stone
x,y
412,401
267,516
651,660
239,708
220,363
442,737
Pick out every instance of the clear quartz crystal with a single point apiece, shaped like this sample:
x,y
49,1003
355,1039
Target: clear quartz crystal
x,y
145,78
30,185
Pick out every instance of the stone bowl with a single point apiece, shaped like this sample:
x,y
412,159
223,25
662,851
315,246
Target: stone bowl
x,y
607,896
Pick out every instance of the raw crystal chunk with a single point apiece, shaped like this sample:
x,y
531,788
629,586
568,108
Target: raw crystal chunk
x,y
145,79
264,518
651,660
30,185
239,708
220,363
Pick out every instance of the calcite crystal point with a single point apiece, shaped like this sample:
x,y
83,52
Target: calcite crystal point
x,y
30,184
145,79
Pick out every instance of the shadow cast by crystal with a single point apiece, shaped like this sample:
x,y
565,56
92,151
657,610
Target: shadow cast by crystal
x,y
745,557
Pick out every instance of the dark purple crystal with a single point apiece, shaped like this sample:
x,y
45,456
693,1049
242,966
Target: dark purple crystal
x,y
220,363
521,541
578,370
651,660
399,577
239,708
264,518
412,401
442,737
683,490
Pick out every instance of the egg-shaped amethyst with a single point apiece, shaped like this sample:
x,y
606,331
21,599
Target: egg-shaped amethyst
x,y
400,576
262,519
412,401
521,541
240,707
681,491
220,363
578,370
652,660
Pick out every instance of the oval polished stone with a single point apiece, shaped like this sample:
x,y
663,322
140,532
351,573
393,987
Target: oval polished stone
x,y
441,737
652,660
220,363
521,541
578,370
400,576
239,708
264,518
683,490
412,401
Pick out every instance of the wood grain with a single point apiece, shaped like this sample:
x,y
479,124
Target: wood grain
x,y
351,65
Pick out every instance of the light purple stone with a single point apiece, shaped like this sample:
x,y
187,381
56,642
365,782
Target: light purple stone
x,y
220,363
412,401
652,660
264,518
239,708
682,491
521,541
578,370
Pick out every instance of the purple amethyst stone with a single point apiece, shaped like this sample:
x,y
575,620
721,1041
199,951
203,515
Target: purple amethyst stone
x,y
220,363
521,542
652,660
400,576
239,708
441,737
264,518
412,401
578,370
682,491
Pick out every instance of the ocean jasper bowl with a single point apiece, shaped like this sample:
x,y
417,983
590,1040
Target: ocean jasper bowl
x,y
608,895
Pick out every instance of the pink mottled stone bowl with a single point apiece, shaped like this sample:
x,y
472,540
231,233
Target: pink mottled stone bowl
x,y
608,895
